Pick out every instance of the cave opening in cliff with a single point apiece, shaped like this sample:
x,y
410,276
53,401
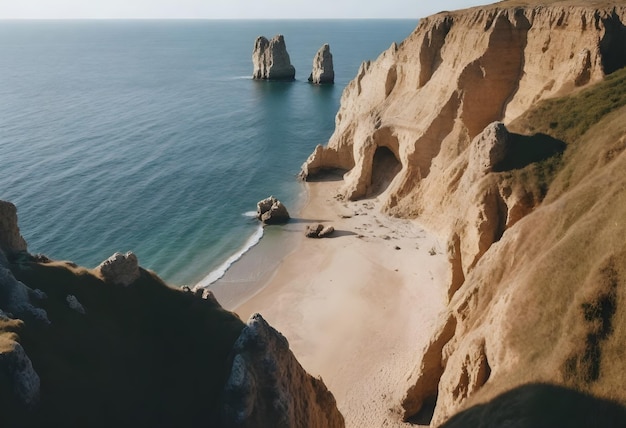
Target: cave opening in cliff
x,y
614,40
385,167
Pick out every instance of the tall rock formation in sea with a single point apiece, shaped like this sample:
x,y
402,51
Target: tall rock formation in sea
x,y
480,113
271,60
323,71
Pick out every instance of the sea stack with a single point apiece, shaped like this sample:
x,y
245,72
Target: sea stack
x,y
271,211
271,60
323,66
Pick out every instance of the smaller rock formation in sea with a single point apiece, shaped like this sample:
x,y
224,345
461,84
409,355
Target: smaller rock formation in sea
x,y
271,211
271,60
323,71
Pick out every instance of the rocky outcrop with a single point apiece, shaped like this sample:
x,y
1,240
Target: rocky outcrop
x,y
267,383
16,305
271,60
121,269
271,211
10,239
15,298
323,71
18,368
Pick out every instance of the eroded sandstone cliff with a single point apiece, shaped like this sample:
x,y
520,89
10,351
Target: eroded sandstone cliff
x,y
451,127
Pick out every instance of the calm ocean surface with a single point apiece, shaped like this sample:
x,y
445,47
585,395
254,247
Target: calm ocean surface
x,y
151,136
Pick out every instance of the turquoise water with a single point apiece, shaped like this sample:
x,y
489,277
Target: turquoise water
x,y
151,136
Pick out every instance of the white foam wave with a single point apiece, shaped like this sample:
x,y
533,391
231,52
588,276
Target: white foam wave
x,y
251,214
221,270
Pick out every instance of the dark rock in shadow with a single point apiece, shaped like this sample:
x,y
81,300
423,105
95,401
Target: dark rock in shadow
x,y
523,150
324,175
425,415
541,406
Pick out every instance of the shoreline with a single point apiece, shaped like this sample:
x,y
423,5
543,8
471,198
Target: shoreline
x,y
356,307
252,271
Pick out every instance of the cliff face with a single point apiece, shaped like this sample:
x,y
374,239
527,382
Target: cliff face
x,y
115,346
454,126
412,120
426,99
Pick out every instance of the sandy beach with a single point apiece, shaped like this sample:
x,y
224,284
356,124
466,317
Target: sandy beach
x,y
358,306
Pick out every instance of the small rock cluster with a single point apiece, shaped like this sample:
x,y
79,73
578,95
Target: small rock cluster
x,y
271,61
319,231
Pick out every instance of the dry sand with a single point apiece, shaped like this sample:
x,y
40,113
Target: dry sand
x,y
357,307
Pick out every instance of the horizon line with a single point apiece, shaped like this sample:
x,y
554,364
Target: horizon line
x,y
199,19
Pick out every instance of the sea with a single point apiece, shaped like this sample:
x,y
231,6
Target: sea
x,y
152,137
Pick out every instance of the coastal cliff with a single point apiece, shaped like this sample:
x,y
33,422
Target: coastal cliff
x,y
501,128
116,346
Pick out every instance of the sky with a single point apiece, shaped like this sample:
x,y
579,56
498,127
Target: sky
x,y
226,9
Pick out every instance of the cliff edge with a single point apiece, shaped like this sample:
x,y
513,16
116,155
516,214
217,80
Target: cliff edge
x,y
501,128
116,346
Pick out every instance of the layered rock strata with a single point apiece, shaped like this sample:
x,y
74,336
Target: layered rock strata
x,y
323,70
412,125
431,129
271,60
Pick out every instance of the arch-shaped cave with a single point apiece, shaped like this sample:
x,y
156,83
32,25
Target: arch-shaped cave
x,y
385,167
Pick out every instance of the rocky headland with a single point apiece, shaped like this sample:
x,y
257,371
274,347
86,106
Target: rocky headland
x,y
115,346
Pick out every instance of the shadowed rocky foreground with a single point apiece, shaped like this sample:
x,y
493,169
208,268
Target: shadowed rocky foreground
x,y
115,346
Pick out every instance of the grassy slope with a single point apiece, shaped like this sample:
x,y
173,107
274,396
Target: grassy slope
x,y
568,119
143,355
567,288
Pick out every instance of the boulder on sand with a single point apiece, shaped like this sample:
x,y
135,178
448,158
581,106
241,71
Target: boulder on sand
x,y
319,231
